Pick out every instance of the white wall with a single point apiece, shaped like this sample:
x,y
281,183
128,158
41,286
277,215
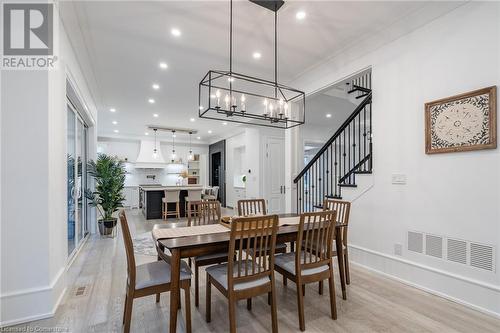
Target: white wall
x,y
456,194
33,184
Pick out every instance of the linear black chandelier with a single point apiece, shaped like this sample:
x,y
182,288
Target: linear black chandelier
x,y
240,98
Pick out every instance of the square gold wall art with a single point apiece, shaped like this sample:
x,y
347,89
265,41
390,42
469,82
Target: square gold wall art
x,y
461,123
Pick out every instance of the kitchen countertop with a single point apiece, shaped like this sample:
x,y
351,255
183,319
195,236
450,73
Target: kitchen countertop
x,y
163,188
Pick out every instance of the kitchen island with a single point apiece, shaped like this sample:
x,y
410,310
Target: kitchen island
x,y
151,199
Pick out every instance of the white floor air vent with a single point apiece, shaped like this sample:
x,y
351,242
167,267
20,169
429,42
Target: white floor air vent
x,y
459,251
481,256
434,246
415,241
456,250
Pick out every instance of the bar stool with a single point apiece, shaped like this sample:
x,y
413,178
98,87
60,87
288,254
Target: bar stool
x,y
171,196
193,195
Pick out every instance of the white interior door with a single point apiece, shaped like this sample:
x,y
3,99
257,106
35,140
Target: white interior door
x,y
275,175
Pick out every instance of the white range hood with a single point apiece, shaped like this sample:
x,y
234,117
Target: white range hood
x,y
145,159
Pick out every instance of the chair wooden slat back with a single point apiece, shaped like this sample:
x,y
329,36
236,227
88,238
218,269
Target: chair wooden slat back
x,y
203,212
342,210
251,235
129,248
252,207
316,231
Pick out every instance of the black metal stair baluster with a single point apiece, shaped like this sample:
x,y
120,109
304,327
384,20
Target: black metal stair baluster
x,y
327,173
349,151
302,190
297,198
323,178
354,162
344,159
359,137
364,136
334,160
371,132
316,184
303,194
313,182
332,174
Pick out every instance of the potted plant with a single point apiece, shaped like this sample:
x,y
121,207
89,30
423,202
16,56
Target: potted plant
x,y
109,175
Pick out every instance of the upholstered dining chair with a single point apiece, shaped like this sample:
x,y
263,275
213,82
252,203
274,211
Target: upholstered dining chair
x,y
249,207
316,230
243,276
202,213
149,279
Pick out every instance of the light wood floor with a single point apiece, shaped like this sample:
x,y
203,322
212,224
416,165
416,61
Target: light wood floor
x,y
374,303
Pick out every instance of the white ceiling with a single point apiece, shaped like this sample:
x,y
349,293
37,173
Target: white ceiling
x,y
120,44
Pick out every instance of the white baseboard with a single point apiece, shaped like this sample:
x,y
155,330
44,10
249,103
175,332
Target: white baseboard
x,y
34,303
477,295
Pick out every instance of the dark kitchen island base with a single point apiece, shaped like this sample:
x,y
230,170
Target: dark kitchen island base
x,y
152,203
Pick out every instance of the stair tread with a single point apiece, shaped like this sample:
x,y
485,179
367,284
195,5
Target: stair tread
x,y
348,185
333,196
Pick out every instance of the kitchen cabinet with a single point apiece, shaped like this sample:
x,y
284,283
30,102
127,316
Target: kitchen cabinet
x,y
131,194
240,193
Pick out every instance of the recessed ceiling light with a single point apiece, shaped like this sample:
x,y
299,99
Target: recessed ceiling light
x,y
155,86
174,136
212,96
192,119
163,65
112,110
300,15
256,55
146,133
200,107
230,79
198,137
155,115
224,123
116,131
209,131
328,115
114,122
151,101
175,32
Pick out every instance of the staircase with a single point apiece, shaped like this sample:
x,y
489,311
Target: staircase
x,y
345,155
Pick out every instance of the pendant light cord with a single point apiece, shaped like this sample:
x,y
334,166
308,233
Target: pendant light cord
x,y
276,51
276,46
230,36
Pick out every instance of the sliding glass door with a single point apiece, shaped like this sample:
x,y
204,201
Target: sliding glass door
x,y
76,179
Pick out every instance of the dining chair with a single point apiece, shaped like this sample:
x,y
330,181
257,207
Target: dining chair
x,y
316,230
249,207
213,193
342,210
244,277
171,196
149,279
203,213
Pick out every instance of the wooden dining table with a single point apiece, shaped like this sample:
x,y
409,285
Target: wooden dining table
x,y
192,246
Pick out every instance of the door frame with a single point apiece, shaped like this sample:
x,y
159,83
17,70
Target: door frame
x,y
79,241
218,147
